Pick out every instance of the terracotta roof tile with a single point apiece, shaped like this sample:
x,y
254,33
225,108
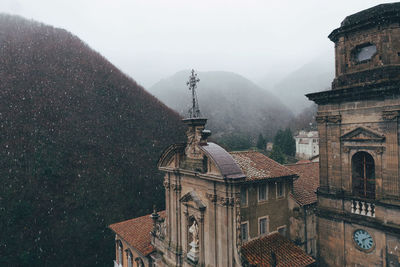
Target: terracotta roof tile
x,y
257,166
305,187
303,161
136,232
258,252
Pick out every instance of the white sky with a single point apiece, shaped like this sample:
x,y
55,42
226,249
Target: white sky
x,y
152,39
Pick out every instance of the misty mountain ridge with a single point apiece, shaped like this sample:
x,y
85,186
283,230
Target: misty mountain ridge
x,y
231,103
314,76
80,142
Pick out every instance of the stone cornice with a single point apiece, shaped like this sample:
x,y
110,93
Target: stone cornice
x,y
366,92
383,14
348,217
328,118
390,115
372,76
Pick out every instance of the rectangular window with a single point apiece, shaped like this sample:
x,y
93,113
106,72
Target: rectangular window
x,y
243,196
244,231
280,189
262,192
262,226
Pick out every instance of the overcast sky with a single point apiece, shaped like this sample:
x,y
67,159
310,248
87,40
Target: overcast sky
x,y
152,39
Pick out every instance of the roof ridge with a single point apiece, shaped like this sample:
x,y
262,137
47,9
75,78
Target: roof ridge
x,y
244,151
294,164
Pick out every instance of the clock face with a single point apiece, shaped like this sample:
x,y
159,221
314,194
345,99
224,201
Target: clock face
x,y
363,239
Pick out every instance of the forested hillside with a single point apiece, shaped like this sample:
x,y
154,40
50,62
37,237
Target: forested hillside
x,y
233,104
80,141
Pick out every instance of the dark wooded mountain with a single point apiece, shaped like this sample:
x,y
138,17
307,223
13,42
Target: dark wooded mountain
x,y
315,76
231,103
80,141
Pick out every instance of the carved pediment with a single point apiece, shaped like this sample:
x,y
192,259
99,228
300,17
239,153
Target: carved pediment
x,y
170,156
193,200
362,135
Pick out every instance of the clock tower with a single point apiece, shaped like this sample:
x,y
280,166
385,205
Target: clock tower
x,y
359,129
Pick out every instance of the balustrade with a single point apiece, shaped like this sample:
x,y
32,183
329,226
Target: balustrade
x,y
363,208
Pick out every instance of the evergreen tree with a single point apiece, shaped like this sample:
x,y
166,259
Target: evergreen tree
x,y
261,143
235,141
289,143
277,155
285,141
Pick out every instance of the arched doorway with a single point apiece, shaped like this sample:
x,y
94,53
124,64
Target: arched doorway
x,y
363,175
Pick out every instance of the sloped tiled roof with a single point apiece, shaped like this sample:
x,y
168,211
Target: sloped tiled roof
x,y
258,252
305,187
303,161
257,166
136,232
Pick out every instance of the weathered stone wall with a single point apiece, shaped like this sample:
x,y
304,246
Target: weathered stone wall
x,y
338,248
386,38
339,141
301,217
337,120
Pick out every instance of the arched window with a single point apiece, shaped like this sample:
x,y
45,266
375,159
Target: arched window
x,y
363,175
139,262
119,243
130,258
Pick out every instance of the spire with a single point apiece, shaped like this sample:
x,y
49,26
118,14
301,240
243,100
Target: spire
x,y
196,135
194,111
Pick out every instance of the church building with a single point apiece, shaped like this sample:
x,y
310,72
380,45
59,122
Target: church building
x,y
358,123
221,209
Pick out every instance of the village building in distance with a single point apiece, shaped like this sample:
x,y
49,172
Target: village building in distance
x,y
307,144
244,209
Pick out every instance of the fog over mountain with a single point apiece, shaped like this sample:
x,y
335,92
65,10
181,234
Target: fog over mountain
x,y
150,40
314,76
231,103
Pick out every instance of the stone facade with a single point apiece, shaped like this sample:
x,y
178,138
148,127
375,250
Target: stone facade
x,y
196,192
217,196
359,130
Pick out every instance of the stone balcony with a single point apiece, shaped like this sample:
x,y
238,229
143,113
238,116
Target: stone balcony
x,y
363,208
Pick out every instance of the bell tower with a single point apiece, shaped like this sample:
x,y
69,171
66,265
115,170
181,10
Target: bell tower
x,y
358,125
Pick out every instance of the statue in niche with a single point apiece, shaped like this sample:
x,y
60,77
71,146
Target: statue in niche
x,y
193,253
194,230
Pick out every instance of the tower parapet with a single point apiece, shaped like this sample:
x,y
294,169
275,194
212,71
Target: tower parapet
x,y
367,47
